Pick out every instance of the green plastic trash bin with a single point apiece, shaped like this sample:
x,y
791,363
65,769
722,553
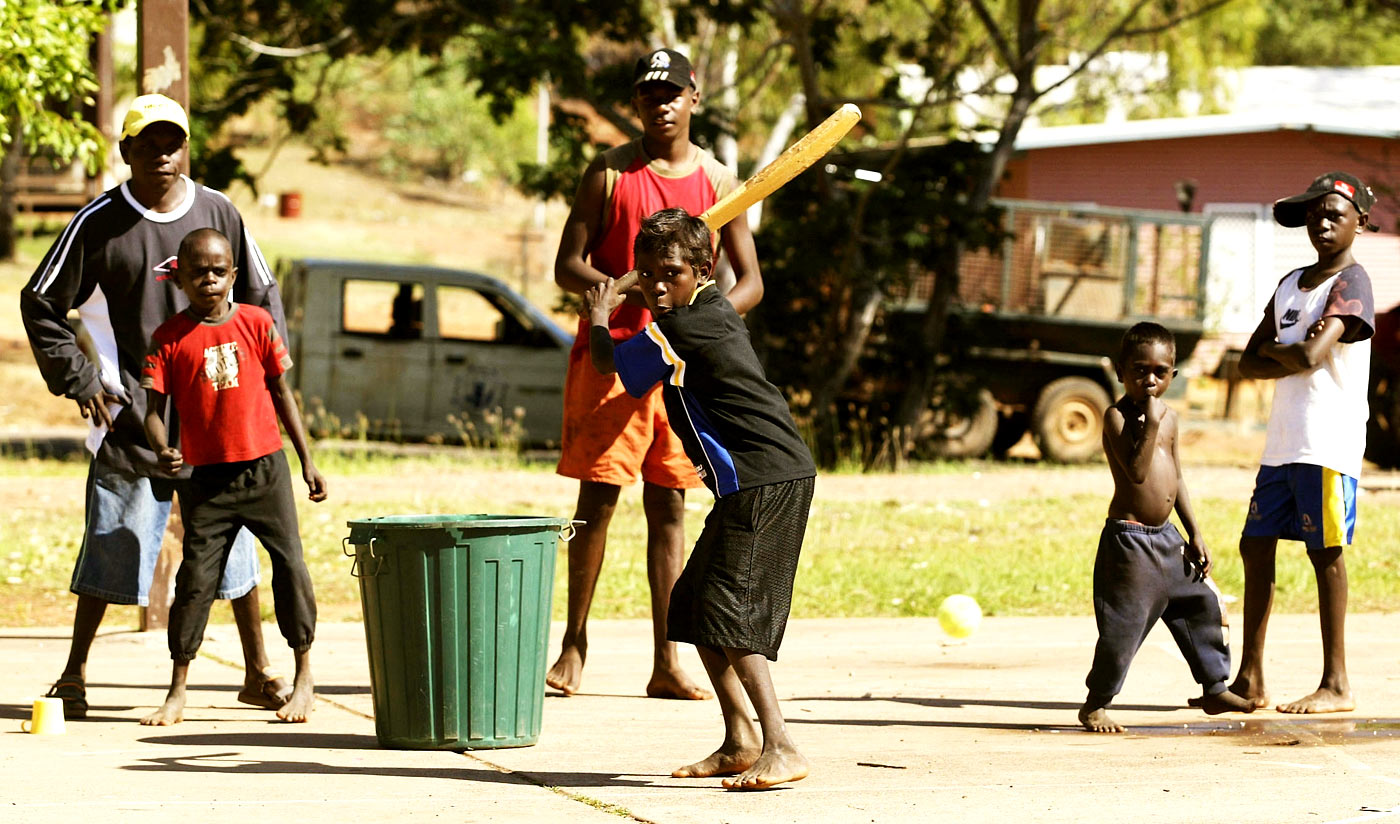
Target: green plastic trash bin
x,y
456,623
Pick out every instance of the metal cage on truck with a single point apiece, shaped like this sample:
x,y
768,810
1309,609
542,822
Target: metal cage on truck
x,y
1037,320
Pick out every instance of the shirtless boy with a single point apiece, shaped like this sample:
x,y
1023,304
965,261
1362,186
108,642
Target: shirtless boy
x,y
1144,570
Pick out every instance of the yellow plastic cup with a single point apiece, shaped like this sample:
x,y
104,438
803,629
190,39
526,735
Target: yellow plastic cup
x,y
46,718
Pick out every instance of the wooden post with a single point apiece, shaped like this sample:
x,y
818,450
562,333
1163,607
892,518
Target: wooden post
x,y
162,65
100,113
163,50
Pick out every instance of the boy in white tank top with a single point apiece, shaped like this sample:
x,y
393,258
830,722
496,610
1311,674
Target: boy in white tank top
x,y
1314,341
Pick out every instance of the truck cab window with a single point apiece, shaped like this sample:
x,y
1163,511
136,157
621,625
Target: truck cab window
x,y
386,308
466,314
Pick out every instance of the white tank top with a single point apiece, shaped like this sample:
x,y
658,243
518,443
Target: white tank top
x,y
1319,415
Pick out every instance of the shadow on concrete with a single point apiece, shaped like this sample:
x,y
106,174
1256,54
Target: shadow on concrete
x,y
234,763
284,736
22,711
335,689
63,637
1264,730
952,725
957,703
234,685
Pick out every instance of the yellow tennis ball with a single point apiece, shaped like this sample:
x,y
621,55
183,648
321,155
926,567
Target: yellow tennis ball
x,y
959,615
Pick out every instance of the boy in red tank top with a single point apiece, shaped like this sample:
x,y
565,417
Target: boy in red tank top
x,y
222,363
609,439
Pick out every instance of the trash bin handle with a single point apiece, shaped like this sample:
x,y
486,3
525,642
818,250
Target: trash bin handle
x,y
569,531
355,571
345,547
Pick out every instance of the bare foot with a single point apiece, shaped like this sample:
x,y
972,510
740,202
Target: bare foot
x,y
773,767
1097,720
171,712
298,708
721,762
675,684
1251,690
567,671
265,690
1222,702
1324,700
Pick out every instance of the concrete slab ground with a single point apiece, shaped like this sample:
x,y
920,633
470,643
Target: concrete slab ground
x,y
900,725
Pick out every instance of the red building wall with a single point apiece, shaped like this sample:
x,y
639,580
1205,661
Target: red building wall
x,y
1241,168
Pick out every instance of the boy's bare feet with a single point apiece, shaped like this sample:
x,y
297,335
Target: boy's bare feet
x,y
1250,689
1222,702
674,683
1324,700
1097,720
171,712
567,671
775,766
732,758
298,708
265,690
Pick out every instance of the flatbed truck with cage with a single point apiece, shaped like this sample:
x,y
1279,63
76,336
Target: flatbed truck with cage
x,y
1036,322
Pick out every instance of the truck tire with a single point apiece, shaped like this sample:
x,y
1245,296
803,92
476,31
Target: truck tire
x,y
968,435
1383,426
1067,422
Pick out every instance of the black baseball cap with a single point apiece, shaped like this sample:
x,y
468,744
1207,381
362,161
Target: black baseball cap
x,y
666,65
1293,211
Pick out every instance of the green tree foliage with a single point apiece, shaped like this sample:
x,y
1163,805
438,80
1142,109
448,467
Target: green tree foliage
x,y
45,77
44,81
911,220
247,50
1327,33
422,118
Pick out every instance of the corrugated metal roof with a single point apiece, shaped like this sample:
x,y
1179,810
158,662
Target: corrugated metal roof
x,y
1175,128
1363,101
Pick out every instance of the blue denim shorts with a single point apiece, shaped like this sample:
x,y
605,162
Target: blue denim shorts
x,y
125,522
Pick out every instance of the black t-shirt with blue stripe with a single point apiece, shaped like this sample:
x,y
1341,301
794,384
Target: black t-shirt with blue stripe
x,y
734,424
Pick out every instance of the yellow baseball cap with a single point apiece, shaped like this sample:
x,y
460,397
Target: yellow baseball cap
x,y
153,108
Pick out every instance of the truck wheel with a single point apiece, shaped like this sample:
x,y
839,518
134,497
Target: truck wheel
x,y
1383,426
1009,432
1067,421
957,434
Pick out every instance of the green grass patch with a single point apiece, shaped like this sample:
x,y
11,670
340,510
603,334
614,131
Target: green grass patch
x,y
1026,556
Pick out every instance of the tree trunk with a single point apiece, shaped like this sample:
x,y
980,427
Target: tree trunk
x,y
9,179
836,370
918,395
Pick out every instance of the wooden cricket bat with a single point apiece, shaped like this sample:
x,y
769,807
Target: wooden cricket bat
x,y
767,180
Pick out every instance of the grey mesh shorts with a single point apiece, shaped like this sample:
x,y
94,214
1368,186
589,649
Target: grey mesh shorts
x,y
736,589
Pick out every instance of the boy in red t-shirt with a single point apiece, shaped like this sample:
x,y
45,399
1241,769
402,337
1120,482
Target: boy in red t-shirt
x,y
223,364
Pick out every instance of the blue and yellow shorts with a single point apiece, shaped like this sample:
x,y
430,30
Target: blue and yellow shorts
x,y
1303,502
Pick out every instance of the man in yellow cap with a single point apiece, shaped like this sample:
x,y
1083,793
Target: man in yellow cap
x,y
114,264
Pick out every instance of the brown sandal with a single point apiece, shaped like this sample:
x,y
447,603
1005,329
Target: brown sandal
x,y
74,694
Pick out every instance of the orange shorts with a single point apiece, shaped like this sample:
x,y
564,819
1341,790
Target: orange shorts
x,y
611,437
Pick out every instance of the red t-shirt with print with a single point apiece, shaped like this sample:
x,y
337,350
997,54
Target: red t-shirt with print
x,y
216,373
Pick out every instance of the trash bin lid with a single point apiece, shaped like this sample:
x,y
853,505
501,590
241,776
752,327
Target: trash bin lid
x,y
458,521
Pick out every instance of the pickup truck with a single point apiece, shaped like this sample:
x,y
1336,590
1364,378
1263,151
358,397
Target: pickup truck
x,y
421,353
